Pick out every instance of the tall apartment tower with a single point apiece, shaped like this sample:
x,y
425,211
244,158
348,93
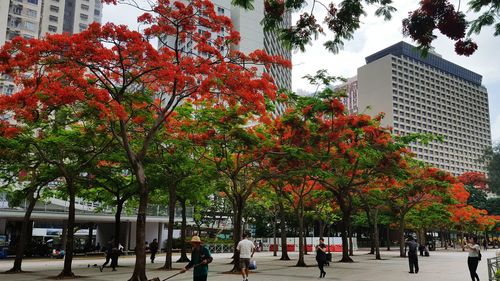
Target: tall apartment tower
x,y
428,95
247,23
253,37
35,18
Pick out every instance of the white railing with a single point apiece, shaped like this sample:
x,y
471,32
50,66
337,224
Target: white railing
x,y
220,248
493,269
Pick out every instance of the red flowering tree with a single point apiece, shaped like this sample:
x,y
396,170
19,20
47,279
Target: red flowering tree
x,y
342,152
135,87
300,192
235,143
421,186
371,197
474,179
50,112
467,218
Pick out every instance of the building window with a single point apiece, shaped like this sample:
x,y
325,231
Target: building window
x,y
53,18
85,7
97,12
52,28
9,89
54,9
84,17
30,26
33,2
82,27
17,10
220,10
31,13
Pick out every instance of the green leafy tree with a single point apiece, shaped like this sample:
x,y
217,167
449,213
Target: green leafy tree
x,y
111,183
24,177
421,186
492,159
235,148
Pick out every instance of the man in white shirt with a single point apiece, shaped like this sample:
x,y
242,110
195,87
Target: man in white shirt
x,y
246,248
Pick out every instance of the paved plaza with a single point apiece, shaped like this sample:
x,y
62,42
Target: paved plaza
x,y
440,266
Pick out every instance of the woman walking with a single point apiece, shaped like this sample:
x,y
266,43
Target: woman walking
x,y
321,257
473,260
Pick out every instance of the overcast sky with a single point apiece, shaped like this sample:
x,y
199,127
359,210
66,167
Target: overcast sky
x,y
374,35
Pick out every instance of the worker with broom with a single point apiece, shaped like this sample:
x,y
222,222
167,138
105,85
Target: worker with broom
x,y
200,258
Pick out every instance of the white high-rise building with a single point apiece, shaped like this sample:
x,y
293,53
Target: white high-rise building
x,y
253,37
427,95
35,18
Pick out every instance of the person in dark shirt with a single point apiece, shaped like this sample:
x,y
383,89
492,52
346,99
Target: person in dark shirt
x,y
109,253
412,254
321,257
153,247
200,258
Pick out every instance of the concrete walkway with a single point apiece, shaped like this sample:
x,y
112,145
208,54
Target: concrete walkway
x,y
440,266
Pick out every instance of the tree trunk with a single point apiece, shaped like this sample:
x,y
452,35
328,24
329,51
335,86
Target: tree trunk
x,y
275,250
423,238
70,233
344,226
321,229
139,273
184,257
300,216
170,230
463,241
372,240
445,237
329,234
351,247
305,234
370,226
284,249
22,241
402,252
388,237
237,231
376,235
118,216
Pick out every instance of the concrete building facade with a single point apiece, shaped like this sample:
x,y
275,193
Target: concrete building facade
x,y
35,18
427,95
253,37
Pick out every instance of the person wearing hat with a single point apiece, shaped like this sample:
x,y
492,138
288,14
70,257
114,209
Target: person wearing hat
x,y
200,258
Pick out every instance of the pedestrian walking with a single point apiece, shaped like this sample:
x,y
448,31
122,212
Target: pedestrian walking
x,y
109,252
412,254
115,253
153,247
485,244
200,258
474,257
246,249
321,257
